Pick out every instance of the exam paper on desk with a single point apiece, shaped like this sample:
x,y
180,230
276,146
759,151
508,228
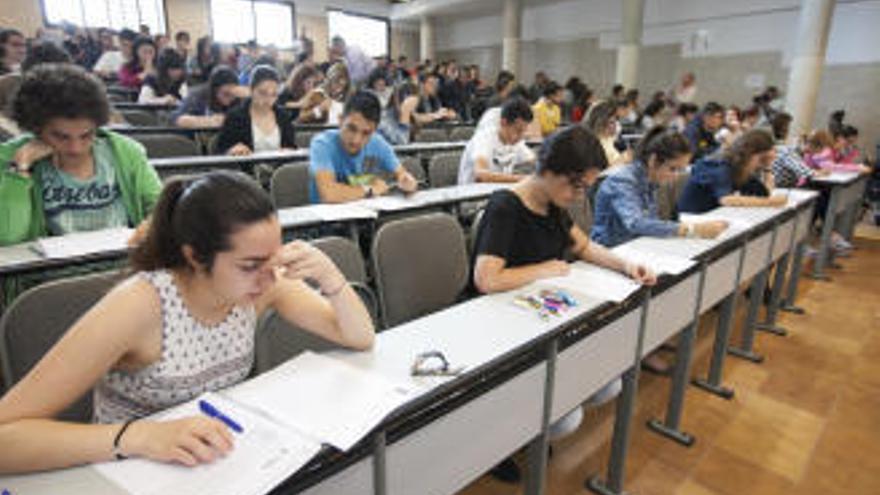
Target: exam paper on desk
x,y
264,455
658,262
83,243
328,399
595,281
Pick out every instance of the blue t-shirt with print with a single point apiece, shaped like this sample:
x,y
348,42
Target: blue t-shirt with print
x,y
327,154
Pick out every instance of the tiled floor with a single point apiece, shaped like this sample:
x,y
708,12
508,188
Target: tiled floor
x,y
806,421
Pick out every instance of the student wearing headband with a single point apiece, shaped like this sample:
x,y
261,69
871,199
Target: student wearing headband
x,y
212,263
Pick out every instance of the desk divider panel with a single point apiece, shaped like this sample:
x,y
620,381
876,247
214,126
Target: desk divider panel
x,y
756,256
585,367
720,276
444,456
670,312
783,238
356,479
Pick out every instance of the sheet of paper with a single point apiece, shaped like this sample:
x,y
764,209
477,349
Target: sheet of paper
x,y
299,215
735,226
660,263
795,196
265,454
324,397
341,212
837,177
595,281
83,243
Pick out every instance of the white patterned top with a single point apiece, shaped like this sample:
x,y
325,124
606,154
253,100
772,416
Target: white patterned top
x,y
195,358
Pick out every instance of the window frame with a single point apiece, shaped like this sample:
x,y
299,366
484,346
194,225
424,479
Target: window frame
x,y
386,20
254,16
48,24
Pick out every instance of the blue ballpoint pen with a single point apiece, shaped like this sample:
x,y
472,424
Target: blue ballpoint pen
x,y
210,410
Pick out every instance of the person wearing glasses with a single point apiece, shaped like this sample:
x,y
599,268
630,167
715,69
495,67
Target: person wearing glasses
x,y
602,120
526,234
626,203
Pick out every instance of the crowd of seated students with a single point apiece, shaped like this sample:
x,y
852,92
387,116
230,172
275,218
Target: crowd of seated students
x,y
209,253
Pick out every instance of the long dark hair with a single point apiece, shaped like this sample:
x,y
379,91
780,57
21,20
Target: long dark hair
x,y
664,144
134,64
168,60
201,212
744,148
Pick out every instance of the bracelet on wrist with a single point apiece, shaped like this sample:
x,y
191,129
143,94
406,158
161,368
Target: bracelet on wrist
x,y
117,450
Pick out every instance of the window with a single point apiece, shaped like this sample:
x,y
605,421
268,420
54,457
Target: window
x,y
239,21
115,14
368,33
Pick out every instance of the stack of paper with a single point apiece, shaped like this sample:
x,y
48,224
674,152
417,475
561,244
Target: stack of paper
x,y
658,262
600,283
263,456
83,243
735,226
286,414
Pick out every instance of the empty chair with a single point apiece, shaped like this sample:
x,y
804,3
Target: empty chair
x,y
346,255
167,145
290,185
302,139
140,118
581,212
431,136
413,165
461,134
38,319
443,169
420,265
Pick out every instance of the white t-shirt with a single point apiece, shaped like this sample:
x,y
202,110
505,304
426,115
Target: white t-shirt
x,y
109,62
503,158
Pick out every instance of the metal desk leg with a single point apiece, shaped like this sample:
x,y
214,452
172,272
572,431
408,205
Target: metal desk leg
x,y
613,484
379,469
747,343
536,475
712,383
670,427
794,279
825,252
769,323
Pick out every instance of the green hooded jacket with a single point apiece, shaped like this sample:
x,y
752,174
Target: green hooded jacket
x,y
21,202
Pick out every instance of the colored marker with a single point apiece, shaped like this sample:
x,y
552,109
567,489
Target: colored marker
x,y
213,412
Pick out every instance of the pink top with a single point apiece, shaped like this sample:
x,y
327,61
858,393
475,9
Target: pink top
x,y
128,77
847,155
824,160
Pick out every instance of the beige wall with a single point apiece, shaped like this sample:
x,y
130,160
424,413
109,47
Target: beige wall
x,y
189,15
24,15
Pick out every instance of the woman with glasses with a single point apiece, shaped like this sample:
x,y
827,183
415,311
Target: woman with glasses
x,y
526,234
602,120
626,204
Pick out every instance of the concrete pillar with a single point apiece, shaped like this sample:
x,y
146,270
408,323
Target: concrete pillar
x,y
511,34
426,40
630,43
808,62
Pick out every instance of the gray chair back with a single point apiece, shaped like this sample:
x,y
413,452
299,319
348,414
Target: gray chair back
x,y
668,194
443,169
140,118
461,134
168,145
475,228
290,185
302,139
420,265
431,136
413,165
581,212
346,255
38,318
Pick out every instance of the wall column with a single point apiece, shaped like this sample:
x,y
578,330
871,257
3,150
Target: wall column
x,y
426,40
805,76
630,43
510,41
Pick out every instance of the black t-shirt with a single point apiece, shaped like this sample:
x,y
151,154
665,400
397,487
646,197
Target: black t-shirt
x,y
520,236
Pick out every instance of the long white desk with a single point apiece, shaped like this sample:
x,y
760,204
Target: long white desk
x,y
522,374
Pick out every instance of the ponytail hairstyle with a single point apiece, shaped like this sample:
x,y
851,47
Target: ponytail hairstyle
x,y
744,148
201,212
663,143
